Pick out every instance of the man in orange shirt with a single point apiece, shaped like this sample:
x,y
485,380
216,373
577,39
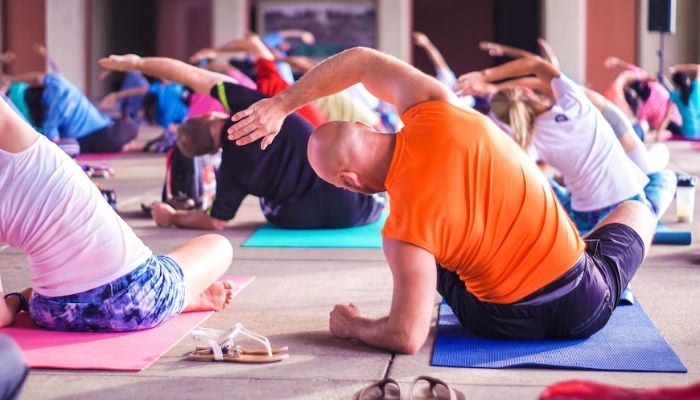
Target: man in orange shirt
x,y
510,263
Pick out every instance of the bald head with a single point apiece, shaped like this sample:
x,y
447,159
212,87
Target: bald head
x,y
351,156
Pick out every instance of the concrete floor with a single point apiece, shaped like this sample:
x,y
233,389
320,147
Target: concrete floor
x,y
296,288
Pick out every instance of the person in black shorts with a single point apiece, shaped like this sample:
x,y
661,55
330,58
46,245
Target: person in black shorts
x,y
291,194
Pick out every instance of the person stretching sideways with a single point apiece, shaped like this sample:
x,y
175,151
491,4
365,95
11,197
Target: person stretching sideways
x,y
469,211
291,195
89,271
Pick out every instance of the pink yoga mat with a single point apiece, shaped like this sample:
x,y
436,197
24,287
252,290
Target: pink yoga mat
x,y
97,156
129,351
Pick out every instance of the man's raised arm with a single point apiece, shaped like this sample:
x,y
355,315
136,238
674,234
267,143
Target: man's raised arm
x,y
384,76
200,80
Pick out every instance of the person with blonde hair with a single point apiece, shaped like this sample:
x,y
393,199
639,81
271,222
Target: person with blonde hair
x,y
550,115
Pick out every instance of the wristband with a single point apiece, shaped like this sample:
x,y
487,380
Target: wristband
x,y
23,305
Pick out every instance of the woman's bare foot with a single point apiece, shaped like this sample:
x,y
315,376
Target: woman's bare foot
x,y
217,297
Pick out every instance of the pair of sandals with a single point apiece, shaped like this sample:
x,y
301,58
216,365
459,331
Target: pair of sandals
x,y
220,345
423,387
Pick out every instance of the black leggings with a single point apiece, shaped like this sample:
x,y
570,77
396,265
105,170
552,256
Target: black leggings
x,y
111,138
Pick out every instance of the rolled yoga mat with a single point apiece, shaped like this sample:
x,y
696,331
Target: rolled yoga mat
x,y
666,235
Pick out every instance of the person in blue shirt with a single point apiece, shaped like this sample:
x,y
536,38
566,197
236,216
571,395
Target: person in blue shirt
x,y
686,96
59,110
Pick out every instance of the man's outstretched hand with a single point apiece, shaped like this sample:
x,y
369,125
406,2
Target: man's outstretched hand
x,y
261,120
127,62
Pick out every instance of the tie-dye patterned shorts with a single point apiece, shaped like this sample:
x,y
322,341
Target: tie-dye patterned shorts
x,y
151,294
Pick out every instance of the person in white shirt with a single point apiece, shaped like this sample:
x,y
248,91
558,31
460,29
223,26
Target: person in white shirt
x,y
568,133
89,270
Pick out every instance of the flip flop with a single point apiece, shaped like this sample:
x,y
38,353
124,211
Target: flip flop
x,y
386,389
221,347
437,390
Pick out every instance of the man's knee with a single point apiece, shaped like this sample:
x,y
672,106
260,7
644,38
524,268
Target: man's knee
x,y
637,216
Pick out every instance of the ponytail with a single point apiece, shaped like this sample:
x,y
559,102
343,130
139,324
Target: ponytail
x,y
513,109
682,82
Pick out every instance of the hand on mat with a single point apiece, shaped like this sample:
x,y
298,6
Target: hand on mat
x,y
261,120
127,62
342,320
162,213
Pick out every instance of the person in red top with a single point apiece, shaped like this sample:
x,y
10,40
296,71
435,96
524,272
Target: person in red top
x,y
463,197
268,79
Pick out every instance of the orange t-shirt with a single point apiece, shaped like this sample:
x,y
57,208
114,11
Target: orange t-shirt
x,y
461,189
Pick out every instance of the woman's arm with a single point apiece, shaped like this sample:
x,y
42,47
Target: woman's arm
x,y
499,50
112,98
520,68
693,70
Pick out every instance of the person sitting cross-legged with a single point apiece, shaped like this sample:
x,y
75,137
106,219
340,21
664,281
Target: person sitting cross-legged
x,y
89,271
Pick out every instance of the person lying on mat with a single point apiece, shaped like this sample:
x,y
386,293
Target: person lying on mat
x,y
89,270
291,195
469,211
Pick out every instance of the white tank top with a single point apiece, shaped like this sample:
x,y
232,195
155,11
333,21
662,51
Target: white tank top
x,y
50,209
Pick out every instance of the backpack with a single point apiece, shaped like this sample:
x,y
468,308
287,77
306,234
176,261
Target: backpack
x,y
189,182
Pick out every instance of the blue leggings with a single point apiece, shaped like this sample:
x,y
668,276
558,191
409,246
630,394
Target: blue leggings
x,y
658,194
146,297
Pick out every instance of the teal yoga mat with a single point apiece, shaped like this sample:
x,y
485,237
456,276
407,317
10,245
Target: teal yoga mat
x,y
629,342
366,236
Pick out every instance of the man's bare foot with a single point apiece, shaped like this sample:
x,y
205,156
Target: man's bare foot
x,y
217,297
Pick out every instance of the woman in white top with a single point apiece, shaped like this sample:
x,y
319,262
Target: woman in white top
x,y
567,132
89,271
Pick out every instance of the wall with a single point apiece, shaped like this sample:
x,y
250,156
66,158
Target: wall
x,y
394,25
229,20
455,27
611,30
680,47
183,27
65,38
564,27
24,25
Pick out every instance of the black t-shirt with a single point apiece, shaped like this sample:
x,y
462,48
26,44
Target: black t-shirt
x,y
278,174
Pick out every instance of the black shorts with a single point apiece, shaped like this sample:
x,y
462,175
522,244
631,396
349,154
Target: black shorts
x,y
575,305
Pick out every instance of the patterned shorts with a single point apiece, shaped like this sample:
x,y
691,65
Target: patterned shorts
x,y
151,294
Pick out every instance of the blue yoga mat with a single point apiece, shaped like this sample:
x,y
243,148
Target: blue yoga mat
x,y
366,236
629,342
666,235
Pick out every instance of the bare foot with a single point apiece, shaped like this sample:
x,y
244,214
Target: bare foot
x,y
217,297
